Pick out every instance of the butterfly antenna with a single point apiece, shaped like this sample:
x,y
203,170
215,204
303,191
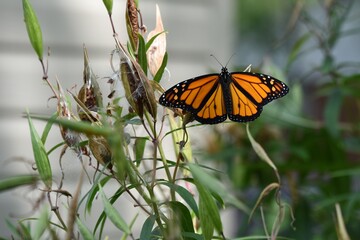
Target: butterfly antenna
x,y
230,58
211,55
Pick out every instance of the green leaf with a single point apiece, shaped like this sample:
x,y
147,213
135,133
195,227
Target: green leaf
x,y
351,85
113,214
17,181
109,5
84,231
47,128
93,192
151,40
156,233
41,224
346,172
142,59
193,236
218,190
185,194
33,28
208,211
147,228
183,216
130,50
294,53
259,150
161,70
101,220
332,112
100,224
13,228
116,142
41,158
328,64
139,149
78,126
131,119
206,223
126,236
24,231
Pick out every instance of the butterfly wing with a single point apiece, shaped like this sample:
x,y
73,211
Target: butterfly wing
x,y
202,96
250,92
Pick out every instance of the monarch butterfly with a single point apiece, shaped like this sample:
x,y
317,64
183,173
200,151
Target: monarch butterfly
x,y
212,98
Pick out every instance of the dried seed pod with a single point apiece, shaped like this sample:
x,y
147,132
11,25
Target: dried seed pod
x,y
71,138
132,23
90,94
138,89
100,148
132,85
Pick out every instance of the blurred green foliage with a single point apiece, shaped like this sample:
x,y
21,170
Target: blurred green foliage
x,y
312,134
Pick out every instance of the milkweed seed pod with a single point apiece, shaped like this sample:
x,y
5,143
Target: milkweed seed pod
x,y
132,23
90,94
138,89
70,137
100,148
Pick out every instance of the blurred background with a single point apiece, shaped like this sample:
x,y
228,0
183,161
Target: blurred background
x,y
312,134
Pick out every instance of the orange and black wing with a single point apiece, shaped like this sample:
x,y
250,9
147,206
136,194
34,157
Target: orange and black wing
x,y
250,92
202,96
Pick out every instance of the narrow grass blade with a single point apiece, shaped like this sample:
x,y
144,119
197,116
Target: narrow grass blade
x,y
113,214
84,231
41,224
41,158
17,181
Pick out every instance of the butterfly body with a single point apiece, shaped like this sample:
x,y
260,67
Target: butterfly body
x,y
213,98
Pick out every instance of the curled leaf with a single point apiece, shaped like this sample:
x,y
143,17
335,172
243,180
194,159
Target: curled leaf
x,y
263,194
259,150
